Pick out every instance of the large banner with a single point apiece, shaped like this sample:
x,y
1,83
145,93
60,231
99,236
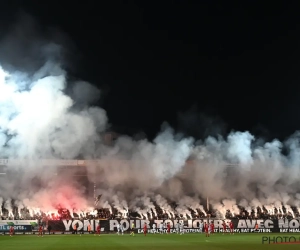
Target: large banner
x,y
19,225
190,226
82,225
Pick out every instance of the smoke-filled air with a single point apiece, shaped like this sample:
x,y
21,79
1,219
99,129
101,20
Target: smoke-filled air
x,y
173,175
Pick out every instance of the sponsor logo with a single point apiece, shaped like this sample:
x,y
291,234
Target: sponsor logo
x,y
16,228
19,222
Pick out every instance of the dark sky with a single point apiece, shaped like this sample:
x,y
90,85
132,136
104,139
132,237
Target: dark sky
x,y
195,66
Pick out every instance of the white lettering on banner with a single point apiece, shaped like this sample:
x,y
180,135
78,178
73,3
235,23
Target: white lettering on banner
x,y
264,230
67,224
125,224
242,224
283,223
218,224
196,223
87,223
158,222
113,224
294,224
169,221
137,224
207,221
80,224
222,230
171,231
143,223
269,224
250,223
175,222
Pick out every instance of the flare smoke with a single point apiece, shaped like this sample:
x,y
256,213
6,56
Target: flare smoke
x,y
38,120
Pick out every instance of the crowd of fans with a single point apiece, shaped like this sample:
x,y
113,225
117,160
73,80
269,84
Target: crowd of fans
x,y
61,214
157,213
263,213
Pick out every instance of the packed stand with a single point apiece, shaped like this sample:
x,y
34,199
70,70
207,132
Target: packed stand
x,y
153,213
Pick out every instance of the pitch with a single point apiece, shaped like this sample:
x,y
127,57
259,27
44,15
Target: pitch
x,y
138,242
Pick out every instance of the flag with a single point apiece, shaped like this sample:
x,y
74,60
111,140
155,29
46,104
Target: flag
x,y
97,199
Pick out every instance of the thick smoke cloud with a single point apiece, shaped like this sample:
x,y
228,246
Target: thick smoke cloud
x,y
38,121
260,176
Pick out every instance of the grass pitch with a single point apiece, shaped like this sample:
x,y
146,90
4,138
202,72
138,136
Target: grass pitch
x,y
139,241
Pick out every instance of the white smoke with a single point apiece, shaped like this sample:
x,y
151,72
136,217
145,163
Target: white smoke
x,y
231,206
164,205
151,208
1,201
120,206
239,148
44,108
8,207
222,210
106,205
39,120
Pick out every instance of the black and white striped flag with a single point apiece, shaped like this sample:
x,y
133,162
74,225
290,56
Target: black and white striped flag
x,y
97,199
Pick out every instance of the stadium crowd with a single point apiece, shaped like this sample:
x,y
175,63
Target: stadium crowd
x,y
105,213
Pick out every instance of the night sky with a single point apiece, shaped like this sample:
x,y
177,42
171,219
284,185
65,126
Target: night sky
x,y
204,68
